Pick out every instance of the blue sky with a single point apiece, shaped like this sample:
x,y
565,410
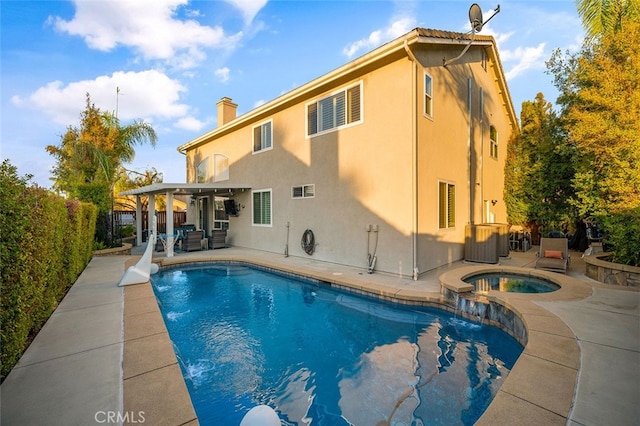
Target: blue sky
x,y
172,60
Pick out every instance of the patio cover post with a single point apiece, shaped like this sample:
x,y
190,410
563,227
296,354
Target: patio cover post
x,y
138,221
169,223
151,213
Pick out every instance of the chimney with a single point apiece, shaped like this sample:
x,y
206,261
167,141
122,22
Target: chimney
x,y
226,111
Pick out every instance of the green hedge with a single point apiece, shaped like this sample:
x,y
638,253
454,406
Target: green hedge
x,y
622,234
46,243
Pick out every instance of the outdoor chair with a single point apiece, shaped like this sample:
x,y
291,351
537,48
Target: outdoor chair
x,y
553,255
193,241
218,239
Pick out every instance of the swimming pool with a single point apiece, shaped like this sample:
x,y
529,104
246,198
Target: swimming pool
x,y
510,282
245,336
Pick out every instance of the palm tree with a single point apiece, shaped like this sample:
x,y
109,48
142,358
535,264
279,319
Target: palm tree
x,y
600,17
118,148
90,158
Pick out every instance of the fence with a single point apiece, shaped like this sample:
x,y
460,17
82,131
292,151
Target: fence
x,y
122,218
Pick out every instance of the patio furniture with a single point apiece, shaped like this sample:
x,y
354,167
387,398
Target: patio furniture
x,y
218,239
193,241
553,255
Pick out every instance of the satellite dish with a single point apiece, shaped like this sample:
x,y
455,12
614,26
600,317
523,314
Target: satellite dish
x,y
475,17
476,21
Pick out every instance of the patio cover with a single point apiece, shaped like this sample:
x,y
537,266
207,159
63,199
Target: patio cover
x,y
171,189
218,189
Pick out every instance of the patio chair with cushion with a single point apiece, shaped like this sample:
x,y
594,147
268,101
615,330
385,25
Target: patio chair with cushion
x,y
553,255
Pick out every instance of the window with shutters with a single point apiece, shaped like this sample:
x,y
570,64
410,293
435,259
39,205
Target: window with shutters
x,y
262,137
303,191
446,205
338,110
262,207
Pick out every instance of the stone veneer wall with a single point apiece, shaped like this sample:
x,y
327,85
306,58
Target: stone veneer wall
x,y
479,308
599,269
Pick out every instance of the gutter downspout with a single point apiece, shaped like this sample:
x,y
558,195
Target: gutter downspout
x,y
484,217
414,160
471,180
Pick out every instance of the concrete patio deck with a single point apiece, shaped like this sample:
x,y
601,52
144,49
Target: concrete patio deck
x,y
104,356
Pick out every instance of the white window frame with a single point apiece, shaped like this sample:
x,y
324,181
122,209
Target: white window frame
x,y
428,95
348,122
493,142
253,207
448,214
218,207
262,132
306,191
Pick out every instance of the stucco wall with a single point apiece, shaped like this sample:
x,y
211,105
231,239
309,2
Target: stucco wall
x,y
453,146
364,174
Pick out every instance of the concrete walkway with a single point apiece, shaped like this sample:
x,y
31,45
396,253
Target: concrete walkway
x,y
607,326
72,372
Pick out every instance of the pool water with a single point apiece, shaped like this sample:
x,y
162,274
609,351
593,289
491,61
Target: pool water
x,y
245,337
514,283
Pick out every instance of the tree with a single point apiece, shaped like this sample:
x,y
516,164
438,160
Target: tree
x,y
600,96
600,17
539,168
600,99
132,179
89,158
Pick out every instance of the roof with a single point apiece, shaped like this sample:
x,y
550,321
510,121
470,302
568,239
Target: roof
x,y
398,45
221,189
450,35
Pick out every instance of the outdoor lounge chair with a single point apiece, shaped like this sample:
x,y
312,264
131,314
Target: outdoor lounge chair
x,y
193,241
553,255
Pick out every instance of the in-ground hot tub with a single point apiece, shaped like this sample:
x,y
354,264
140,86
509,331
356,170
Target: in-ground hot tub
x,y
510,282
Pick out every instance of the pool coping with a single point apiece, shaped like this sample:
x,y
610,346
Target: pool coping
x,y
541,386
539,389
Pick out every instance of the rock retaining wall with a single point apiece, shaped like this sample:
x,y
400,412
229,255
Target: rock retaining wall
x,y
598,268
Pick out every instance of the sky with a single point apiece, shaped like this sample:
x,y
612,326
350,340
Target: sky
x,y
168,62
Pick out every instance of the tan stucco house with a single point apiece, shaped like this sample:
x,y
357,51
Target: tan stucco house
x,y
389,156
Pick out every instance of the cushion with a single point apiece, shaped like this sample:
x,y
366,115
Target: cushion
x,y
553,254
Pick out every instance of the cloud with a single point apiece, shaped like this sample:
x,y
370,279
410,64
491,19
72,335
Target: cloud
x,y
530,52
190,123
395,29
149,27
144,95
526,58
222,74
501,38
248,8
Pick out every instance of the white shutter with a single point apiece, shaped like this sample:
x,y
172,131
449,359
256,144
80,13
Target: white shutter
x,y
340,109
266,135
312,119
353,96
326,114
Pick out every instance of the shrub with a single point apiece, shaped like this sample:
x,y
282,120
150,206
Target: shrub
x,y
622,233
128,231
46,243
